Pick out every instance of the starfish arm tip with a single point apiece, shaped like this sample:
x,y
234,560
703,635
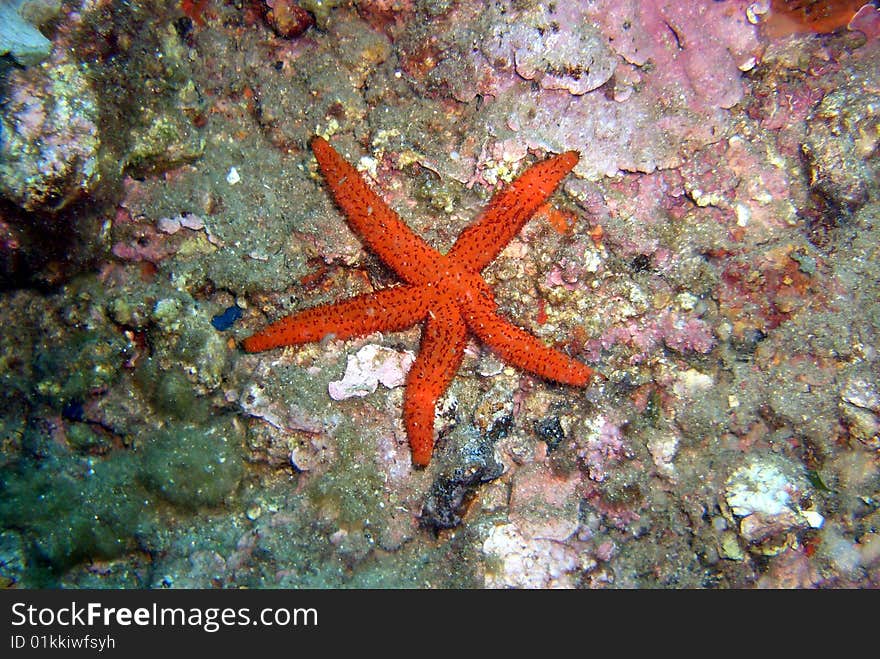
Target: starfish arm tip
x,y
252,344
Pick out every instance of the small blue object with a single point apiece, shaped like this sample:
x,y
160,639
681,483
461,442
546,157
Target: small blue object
x,y
74,411
223,321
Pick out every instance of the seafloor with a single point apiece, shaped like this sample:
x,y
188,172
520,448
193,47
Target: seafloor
x,y
713,255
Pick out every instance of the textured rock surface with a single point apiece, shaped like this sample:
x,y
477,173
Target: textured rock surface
x,y
19,34
50,138
714,258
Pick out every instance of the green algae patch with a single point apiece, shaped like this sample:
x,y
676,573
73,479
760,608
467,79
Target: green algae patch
x,y
70,508
164,141
354,492
78,364
186,337
193,466
171,393
68,516
82,438
351,490
321,10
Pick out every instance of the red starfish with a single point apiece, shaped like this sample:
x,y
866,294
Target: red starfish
x,y
446,291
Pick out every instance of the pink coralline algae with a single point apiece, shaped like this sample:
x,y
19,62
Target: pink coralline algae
x,y
371,365
570,55
867,21
675,330
174,224
154,243
190,221
753,195
760,291
519,561
696,49
145,241
603,448
544,505
632,85
49,150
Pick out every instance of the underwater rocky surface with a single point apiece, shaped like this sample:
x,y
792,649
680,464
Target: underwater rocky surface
x,y
713,256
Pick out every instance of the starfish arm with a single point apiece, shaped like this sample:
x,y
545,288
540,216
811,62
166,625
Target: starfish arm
x,y
508,211
387,310
374,222
520,348
440,355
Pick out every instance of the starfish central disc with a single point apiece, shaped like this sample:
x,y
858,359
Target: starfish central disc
x,y
446,292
